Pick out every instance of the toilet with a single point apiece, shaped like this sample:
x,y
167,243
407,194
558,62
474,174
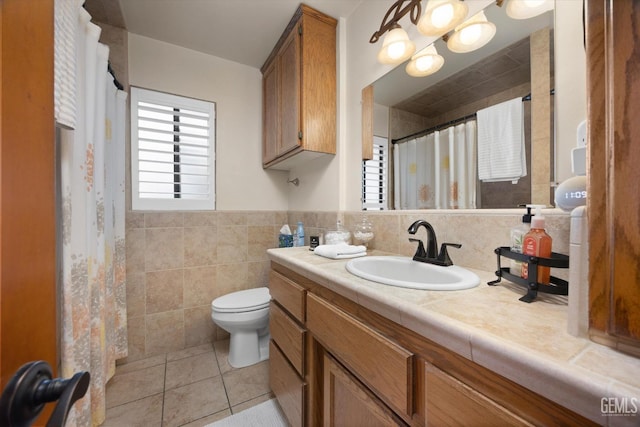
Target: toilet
x,y
245,315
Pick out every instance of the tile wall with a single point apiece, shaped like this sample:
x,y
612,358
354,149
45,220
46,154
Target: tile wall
x,y
178,262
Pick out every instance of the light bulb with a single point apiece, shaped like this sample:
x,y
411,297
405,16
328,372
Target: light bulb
x,y
442,15
424,63
469,35
396,50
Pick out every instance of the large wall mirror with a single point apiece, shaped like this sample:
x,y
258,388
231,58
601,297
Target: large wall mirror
x,y
417,113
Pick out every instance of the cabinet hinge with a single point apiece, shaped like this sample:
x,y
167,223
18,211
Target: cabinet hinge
x,y
300,135
300,29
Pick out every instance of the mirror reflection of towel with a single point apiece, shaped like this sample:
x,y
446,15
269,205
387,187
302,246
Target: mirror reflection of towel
x,y
501,150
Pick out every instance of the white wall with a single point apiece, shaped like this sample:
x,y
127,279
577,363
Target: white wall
x,y
570,82
241,183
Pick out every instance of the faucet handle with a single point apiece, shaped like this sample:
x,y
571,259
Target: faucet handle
x,y
444,254
420,252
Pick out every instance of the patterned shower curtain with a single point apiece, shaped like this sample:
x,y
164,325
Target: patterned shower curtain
x,y
437,170
92,161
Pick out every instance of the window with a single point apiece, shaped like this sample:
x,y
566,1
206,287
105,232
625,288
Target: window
x,y
172,152
374,177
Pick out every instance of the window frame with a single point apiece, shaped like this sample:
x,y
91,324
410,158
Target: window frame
x,y
175,101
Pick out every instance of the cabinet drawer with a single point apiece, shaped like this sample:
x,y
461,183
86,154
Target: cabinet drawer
x,y
449,402
289,294
288,335
380,363
288,388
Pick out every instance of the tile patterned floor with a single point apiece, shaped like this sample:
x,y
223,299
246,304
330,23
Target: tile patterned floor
x,y
191,388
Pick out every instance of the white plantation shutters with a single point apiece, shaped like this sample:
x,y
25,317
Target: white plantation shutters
x,y
172,152
374,177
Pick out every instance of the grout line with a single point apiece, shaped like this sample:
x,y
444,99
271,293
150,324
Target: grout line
x,y
224,385
164,391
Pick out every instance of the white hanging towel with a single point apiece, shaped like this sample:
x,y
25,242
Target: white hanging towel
x,y
501,151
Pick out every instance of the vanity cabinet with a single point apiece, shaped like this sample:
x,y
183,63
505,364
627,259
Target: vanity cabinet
x,y
299,92
287,347
355,367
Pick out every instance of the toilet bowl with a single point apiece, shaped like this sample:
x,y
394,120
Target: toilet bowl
x,y
245,315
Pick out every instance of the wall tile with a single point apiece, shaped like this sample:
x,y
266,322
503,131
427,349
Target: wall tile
x,y
136,294
260,239
200,286
164,248
164,332
232,218
134,220
258,274
232,244
164,290
198,326
200,219
136,336
163,219
261,218
232,277
135,246
200,246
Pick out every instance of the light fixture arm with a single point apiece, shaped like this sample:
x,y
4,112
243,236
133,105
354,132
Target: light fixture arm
x,y
398,12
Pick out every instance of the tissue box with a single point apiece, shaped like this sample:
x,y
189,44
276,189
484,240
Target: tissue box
x,y
285,241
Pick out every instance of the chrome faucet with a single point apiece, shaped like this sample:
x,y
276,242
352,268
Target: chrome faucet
x,y
430,255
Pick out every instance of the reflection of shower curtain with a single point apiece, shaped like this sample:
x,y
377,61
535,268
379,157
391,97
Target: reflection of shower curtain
x,y
438,170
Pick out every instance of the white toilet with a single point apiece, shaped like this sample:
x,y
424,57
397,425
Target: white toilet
x,y
245,315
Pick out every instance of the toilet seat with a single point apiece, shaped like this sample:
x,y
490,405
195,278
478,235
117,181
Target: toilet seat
x,y
242,301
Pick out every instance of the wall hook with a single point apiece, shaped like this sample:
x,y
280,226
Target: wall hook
x,y
294,181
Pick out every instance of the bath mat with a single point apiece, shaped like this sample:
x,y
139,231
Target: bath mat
x,y
266,414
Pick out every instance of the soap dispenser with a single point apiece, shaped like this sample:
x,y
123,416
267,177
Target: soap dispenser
x,y
517,234
537,243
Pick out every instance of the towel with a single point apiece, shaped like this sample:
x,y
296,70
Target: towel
x,y
340,251
501,151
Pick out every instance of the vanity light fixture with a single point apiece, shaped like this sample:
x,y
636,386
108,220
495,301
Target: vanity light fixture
x,y
425,62
525,9
472,34
396,46
442,16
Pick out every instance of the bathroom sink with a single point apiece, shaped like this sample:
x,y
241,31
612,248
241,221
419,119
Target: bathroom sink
x,y
407,273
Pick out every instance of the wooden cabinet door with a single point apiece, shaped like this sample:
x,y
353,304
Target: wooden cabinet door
x,y
613,205
289,58
449,402
271,112
348,403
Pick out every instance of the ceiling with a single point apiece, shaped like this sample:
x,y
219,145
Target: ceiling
x,y
242,31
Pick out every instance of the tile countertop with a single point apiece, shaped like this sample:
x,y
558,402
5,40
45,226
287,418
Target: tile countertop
x,y
526,343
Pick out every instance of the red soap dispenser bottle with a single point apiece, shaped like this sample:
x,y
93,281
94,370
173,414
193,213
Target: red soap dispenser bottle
x,y
537,243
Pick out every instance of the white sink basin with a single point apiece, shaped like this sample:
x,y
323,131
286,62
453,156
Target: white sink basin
x,y
407,273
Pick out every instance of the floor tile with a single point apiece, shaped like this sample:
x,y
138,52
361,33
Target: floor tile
x,y
194,401
191,369
251,403
135,385
222,353
188,352
141,364
247,383
140,413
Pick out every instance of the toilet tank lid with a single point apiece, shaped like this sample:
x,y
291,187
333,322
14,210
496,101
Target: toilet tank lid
x,y
247,299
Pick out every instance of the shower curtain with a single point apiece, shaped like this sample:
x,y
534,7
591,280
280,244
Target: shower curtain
x,y
92,187
437,170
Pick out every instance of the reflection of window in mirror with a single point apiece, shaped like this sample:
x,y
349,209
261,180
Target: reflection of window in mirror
x,y
374,176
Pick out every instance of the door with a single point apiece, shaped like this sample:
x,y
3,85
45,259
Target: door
x,y
27,187
349,403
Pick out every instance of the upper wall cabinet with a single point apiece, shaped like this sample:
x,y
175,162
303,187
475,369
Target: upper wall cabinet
x,y
299,92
